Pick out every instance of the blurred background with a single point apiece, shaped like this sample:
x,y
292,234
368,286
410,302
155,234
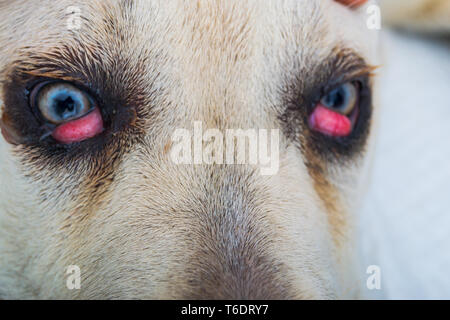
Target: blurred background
x,y
405,222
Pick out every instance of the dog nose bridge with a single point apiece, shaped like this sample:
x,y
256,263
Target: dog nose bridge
x,y
235,258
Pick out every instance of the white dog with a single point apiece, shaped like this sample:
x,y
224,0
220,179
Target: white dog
x,y
91,93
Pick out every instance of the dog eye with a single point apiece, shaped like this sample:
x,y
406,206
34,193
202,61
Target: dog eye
x,y
72,113
342,99
62,102
336,112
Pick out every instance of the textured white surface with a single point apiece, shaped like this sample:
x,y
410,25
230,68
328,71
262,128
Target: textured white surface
x,y
406,217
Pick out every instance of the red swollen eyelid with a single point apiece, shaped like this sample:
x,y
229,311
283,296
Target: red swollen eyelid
x,y
329,122
80,129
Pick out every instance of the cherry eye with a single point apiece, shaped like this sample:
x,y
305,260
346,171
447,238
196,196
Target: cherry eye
x,y
336,112
73,111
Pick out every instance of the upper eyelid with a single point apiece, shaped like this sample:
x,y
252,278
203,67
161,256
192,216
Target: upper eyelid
x,y
30,77
347,62
63,64
38,76
345,65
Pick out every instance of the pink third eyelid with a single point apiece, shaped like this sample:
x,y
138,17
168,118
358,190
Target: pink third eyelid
x,y
330,122
80,129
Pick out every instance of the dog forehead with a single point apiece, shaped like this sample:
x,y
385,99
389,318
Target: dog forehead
x,y
227,26
211,39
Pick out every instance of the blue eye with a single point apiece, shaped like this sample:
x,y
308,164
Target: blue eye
x,y
61,102
342,99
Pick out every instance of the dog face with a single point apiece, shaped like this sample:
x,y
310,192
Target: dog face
x,y
114,203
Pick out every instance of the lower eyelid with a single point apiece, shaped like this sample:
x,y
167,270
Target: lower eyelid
x,y
81,129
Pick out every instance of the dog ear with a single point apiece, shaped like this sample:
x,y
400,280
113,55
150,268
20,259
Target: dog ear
x,y
352,3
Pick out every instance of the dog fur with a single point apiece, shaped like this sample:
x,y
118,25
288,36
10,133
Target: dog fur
x,y
136,224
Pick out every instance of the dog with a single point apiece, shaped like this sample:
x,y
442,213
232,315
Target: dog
x,y
91,93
